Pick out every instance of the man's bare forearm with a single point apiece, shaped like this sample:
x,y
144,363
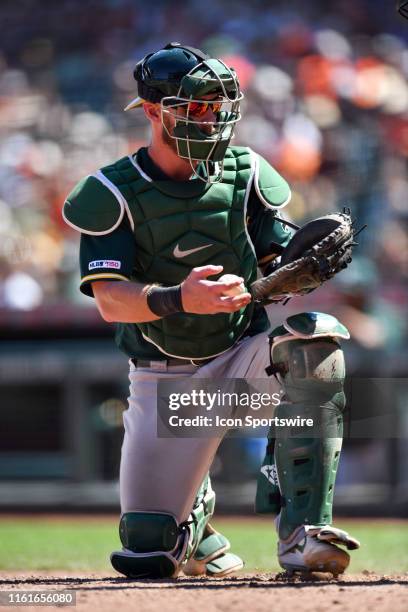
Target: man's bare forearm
x,y
126,302
122,301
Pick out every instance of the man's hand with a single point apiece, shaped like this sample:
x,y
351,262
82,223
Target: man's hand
x,y
202,296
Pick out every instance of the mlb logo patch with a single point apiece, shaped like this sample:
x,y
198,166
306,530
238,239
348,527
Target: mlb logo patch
x,y
104,263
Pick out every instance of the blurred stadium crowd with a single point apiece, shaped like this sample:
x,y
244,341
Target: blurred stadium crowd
x,y
326,103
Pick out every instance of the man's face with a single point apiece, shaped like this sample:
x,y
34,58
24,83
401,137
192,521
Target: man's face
x,y
205,115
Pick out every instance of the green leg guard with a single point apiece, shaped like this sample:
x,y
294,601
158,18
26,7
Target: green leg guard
x,y
155,546
312,373
212,557
268,498
209,554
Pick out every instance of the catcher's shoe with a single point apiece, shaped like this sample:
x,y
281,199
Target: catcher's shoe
x,y
313,549
212,557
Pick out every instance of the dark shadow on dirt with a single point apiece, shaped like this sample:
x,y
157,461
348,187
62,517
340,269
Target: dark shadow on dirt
x,y
276,581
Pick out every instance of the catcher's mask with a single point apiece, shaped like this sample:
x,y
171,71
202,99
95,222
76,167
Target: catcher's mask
x,y
187,83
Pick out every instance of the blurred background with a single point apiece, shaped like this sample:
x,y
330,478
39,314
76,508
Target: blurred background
x,y
326,103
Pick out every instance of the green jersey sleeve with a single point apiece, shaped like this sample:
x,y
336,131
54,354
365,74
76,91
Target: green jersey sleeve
x,y
108,257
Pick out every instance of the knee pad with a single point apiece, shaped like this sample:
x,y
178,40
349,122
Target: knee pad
x,y
155,545
308,360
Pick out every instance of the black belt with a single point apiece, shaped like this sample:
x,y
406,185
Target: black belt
x,y
173,361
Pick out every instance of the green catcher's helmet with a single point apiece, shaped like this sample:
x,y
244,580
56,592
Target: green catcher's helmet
x,y
181,78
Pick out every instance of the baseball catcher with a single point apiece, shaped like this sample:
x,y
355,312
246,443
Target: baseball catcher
x,y
173,240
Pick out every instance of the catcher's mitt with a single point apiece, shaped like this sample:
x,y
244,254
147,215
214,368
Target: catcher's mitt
x,y
315,253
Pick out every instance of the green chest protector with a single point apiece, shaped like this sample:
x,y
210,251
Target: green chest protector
x,y
182,225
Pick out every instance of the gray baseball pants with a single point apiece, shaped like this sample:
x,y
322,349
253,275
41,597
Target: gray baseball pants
x,y
164,474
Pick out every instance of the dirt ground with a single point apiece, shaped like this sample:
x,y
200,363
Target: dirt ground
x,y
249,592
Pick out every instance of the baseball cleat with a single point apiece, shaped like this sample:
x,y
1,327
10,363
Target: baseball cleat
x,y
314,549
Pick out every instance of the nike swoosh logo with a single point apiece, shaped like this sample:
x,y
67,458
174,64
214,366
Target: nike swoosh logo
x,y
179,253
300,546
